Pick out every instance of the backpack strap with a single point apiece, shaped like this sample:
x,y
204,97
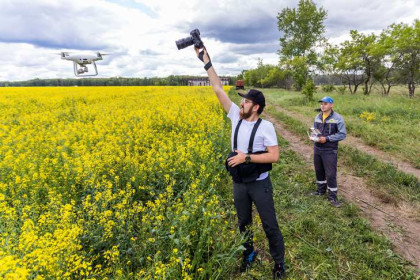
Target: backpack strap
x,y
235,137
254,131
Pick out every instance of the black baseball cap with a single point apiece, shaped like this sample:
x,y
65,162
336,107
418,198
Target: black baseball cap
x,y
256,96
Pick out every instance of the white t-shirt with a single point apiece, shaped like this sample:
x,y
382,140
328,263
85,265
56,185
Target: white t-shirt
x,y
264,137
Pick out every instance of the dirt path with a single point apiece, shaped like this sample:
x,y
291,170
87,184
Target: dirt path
x,y
398,223
358,143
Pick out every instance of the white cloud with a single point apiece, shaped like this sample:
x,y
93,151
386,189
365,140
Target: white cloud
x,y
374,15
141,34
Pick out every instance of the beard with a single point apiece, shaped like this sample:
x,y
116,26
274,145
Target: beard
x,y
245,115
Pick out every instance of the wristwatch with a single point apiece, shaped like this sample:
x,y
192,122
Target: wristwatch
x,y
247,159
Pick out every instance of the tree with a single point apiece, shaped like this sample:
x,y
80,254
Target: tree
x,y
309,90
250,77
355,62
275,77
370,62
298,67
387,56
256,76
303,30
405,53
328,63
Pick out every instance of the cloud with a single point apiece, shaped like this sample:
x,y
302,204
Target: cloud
x,y
141,34
81,25
247,49
263,30
372,16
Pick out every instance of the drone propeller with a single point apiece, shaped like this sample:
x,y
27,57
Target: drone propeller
x,y
63,54
99,54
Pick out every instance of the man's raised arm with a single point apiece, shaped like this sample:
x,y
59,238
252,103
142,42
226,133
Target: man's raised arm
x,y
214,79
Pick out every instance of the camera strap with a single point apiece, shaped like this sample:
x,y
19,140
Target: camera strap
x,y
251,139
201,55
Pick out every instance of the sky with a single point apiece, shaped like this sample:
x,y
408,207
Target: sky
x,y
140,35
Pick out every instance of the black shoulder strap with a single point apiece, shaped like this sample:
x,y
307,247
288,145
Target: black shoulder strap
x,y
235,138
254,131
251,139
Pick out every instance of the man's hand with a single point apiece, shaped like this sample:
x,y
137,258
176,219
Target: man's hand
x,y
322,139
203,55
236,160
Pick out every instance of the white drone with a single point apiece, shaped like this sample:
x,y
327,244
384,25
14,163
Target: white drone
x,y
80,62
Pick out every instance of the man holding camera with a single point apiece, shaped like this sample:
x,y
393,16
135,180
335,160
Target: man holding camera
x,y
254,142
333,129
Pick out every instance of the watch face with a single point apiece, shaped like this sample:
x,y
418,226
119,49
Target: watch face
x,y
247,159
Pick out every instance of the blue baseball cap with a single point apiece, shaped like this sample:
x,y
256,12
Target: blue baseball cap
x,y
326,99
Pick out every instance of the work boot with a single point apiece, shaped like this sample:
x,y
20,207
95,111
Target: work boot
x,y
279,271
317,193
248,260
335,203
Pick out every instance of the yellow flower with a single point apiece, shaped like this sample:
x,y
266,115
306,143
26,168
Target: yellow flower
x,y
88,166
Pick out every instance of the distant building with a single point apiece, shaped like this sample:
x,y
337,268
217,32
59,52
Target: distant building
x,y
206,82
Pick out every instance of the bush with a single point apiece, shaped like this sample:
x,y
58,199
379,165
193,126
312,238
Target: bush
x,y
327,88
341,89
309,89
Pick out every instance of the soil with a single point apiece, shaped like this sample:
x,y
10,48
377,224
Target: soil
x,y
398,221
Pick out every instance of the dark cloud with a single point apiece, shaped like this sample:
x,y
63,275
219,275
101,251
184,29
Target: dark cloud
x,y
246,33
259,29
226,58
248,49
76,45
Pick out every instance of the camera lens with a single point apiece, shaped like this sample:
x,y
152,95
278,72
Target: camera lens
x,y
185,42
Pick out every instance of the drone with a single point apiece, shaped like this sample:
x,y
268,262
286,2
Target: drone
x,y
80,62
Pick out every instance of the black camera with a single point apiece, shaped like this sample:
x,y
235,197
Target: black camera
x,y
194,39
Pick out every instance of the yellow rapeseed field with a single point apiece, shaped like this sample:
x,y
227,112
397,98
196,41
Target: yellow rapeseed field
x,y
113,182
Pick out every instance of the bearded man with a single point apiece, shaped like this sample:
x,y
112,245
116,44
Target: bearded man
x,y
254,147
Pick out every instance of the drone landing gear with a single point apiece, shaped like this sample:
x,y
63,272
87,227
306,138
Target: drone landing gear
x,y
79,69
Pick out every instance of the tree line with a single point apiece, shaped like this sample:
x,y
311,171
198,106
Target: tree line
x,y
173,80
388,59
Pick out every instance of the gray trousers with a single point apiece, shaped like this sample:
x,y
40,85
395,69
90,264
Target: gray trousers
x,y
261,193
325,162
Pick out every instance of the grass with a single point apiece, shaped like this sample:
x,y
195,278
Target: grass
x,y
391,124
321,242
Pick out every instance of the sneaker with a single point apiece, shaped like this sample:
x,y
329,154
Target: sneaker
x,y
317,193
335,203
248,260
279,271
